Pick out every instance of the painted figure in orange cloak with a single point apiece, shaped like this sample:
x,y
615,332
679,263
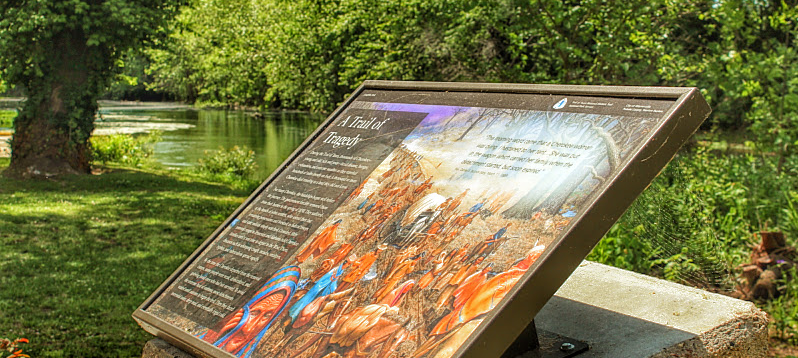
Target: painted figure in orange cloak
x,y
437,266
424,186
457,281
397,274
332,261
456,202
490,244
365,328
487,295
360,332
360,268
357,191
320,243
369,232
241,332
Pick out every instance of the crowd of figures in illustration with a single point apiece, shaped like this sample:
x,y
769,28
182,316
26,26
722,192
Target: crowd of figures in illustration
x,y
399,270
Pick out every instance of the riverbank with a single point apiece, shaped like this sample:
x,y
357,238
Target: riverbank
x,y
188,133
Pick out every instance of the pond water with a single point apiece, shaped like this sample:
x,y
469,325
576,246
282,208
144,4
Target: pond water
x,y
187,133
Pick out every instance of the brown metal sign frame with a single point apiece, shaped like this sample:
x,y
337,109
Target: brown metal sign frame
x,y
507,320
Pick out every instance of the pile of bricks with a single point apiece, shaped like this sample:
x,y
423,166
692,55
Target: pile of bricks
x,y
771,261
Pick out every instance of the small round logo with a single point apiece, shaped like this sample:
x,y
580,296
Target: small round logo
x,y
560,104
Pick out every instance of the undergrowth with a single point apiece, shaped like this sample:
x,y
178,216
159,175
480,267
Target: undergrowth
x,y
696,221
124,148
235,166
7,117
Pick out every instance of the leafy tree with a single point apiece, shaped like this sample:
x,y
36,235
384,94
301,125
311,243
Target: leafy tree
x,y
63,53
216,53
323,50
309,54
742,54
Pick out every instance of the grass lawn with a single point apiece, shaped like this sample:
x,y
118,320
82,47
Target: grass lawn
x,y
79,254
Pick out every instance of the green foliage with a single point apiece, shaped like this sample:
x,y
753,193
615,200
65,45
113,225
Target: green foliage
x,y
234,163
29,33
784,309
620,249
124,148
131,82
742,54
309,54
7,117
216,53
63,53
695,222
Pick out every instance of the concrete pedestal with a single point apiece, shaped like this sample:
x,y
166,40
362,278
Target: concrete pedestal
x,y
622,314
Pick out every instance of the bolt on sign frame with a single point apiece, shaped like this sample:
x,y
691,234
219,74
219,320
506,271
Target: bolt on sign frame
x,y
422,220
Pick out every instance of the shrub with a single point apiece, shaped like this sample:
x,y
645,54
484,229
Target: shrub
x,y
7,117
235,161
124,148
784,309
694,224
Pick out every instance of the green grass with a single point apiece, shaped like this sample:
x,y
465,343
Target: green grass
x,y
79,254
7,117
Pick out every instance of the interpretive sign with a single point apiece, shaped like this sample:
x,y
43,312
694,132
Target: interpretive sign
x,y
422,220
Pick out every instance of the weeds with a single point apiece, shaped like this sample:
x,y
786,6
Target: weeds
x,y
698,216
234,166
124,148
694,224
784,309
234,161
7,118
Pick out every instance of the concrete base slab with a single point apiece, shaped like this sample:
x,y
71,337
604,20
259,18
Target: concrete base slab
x,y
158,348
621,314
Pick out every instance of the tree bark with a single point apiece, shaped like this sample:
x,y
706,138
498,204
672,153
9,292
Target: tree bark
x,y
51,133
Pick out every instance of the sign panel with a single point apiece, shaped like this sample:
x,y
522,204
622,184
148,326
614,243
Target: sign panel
x,y
422,220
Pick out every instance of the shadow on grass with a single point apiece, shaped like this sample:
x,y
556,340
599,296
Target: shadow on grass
x,y
79,254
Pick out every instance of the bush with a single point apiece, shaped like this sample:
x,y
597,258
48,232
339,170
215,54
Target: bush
x,y
7,117
784,309
124,148
239,162
694,224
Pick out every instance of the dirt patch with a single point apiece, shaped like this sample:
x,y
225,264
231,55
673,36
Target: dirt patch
x,y
780,349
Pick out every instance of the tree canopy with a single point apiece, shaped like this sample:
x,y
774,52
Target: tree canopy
x,y
62,54
309,54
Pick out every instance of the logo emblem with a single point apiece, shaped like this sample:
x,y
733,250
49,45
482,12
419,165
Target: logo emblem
x,y
560,104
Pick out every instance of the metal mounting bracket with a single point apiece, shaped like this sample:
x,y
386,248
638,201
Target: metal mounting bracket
x,y
534,343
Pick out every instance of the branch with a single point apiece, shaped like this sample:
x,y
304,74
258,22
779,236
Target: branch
x,y
596,176
613,153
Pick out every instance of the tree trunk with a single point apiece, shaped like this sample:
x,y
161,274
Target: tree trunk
x,y
51,133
